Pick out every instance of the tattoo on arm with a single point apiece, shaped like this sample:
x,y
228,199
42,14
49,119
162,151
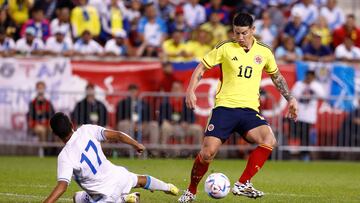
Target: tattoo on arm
x,y
199,77
280,83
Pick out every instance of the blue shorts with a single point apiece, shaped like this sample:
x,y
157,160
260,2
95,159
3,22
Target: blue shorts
x,y
225,121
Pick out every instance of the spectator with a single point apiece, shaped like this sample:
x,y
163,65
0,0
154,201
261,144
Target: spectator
x,y
39,23
152,32
62,21
321,28
200,46
29,45
131,111
347,52
90,110
296,28
86,46
349,29
59,44
215,27
40,112
175,49
118,46
277,16
133,13
288,52
334,15
19,10
132,16
176,119
7,24
194,13
248,6
65,3
7,44
350,130
85,17
315,51
179,23
166,10
100,5
112,20
308,11
169,77
177,2
307,92
215,6
267,31
47,6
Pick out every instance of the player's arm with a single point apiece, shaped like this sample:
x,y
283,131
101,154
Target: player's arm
x,y
117,136
60,188
280,83
195,79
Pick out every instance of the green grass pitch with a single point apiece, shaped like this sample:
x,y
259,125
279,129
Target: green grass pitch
x,y
30,179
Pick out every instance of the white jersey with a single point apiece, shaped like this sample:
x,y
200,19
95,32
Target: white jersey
x,y
83,158
308,96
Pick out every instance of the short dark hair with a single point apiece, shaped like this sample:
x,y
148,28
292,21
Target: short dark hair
x,y
133,87
310,73
243,20
61,125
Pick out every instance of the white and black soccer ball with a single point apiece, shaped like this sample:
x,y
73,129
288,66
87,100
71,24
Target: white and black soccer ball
x,y
217,185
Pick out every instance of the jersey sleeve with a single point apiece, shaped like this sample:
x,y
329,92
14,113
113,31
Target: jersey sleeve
x,y
214,57
65,168
271,66
97,132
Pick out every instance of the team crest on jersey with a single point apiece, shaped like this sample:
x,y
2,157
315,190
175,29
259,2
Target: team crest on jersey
x,y
258,59
210,127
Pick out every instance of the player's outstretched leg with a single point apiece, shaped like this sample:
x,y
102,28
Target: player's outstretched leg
x,y
151,183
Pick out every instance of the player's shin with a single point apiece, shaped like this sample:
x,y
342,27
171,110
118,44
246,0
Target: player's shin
x,y
156,184
199,169
256,160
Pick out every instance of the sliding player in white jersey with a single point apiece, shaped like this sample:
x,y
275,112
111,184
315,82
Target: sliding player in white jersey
x,y
83,158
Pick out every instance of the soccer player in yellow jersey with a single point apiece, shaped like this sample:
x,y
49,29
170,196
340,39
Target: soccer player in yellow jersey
x,y
242,61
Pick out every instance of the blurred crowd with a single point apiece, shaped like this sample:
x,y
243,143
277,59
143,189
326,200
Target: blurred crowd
x,y
158,120
175,30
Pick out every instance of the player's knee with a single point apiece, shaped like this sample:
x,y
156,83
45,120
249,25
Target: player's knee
x,y
270,141
207,155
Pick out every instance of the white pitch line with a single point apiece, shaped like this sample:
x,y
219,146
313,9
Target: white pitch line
x,y
24,185
30,196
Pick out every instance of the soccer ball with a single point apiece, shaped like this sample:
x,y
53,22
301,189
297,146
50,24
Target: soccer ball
x,y
217,185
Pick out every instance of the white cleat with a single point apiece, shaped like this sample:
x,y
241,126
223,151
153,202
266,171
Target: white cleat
x,y
187,197
247,190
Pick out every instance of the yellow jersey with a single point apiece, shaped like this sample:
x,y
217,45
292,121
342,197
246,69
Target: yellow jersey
x,y
170,48
199,50
240,72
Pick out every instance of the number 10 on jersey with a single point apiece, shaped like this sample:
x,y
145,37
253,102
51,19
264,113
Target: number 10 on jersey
x,y
87,160
245,72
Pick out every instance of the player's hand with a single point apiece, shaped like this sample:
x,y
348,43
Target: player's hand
x,y
140,148
190,99
293,109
